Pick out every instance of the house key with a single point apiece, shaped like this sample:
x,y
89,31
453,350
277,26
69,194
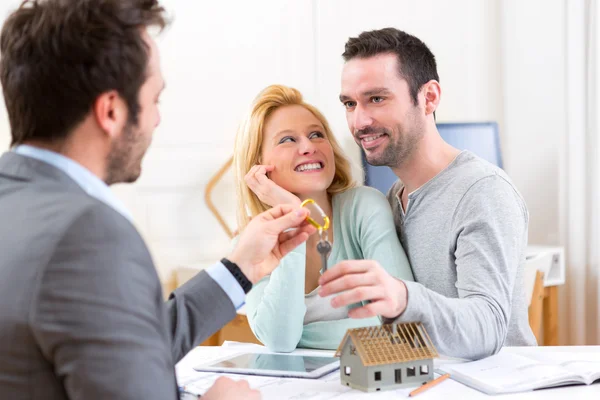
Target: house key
x,y
324,248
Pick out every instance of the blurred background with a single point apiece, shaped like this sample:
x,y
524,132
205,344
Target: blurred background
x,y
531,66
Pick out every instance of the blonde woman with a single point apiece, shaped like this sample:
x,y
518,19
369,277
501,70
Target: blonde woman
x,y
285,153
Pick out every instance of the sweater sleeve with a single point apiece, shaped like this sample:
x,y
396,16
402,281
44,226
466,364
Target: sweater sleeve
x,y
491,231
276,306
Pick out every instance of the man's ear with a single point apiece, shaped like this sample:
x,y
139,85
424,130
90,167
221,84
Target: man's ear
x,y
432,93
110,112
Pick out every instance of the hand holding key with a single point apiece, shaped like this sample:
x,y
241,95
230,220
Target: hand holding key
x,y
324,245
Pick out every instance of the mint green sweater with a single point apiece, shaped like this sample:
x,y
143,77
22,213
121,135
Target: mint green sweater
x,y
363,229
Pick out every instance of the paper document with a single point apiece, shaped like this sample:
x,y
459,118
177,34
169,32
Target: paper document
x,y
510,373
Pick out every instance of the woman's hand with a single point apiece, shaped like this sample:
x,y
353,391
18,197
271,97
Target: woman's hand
x,y
268,191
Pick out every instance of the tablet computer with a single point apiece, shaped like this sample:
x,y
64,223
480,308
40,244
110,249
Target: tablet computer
x,y
282,365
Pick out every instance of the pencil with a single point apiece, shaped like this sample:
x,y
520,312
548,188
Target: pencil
x,y
429,385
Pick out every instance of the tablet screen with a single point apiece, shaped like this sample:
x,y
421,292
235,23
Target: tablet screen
x,y
276,362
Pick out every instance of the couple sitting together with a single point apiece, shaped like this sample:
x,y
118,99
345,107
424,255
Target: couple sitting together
x,y
450,250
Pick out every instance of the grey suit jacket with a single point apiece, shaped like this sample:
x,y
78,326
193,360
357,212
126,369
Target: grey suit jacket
x,y
81,310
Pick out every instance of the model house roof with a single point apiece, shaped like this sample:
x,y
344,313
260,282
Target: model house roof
x,y
390,344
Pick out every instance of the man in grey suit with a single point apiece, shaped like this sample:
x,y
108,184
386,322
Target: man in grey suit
x,y
82,315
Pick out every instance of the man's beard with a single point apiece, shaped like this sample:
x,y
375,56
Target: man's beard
x,y
400,147
124,160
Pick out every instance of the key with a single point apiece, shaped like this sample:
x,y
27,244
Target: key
x,y
324,248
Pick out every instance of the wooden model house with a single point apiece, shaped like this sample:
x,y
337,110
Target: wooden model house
x,y
386,357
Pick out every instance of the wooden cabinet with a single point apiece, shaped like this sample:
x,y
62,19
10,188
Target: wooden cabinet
x,y
237,330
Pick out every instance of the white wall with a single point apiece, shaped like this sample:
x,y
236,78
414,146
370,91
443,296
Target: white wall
x,y
218,55
534,96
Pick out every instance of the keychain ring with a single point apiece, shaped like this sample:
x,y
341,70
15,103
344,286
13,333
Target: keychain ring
x,y
311,221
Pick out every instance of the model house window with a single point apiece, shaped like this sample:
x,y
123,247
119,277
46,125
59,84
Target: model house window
x,y
378,375
410,371
398,375
424,370
347,371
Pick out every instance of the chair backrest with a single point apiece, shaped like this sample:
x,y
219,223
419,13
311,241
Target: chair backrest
x,y
210,186
536,306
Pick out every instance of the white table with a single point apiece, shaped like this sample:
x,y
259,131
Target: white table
x,y
330,387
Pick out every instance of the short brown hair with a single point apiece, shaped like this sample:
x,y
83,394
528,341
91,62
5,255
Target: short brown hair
x,y
415,61
58,56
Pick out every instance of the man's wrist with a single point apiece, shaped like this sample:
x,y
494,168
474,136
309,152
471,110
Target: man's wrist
x,y
243,264
238,274
403,302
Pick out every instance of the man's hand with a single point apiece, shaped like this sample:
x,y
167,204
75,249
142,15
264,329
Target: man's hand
x,y
228,389
263,243
268,191
364,280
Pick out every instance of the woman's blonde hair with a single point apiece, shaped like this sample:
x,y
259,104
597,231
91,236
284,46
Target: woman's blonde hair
x,y
248,145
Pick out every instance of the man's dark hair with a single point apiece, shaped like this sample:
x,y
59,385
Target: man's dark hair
x,y
415,61
58,56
